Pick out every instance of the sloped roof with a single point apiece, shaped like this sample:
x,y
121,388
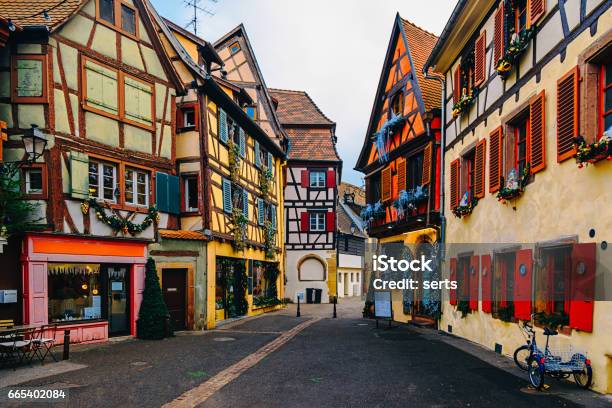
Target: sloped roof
x,y
30,12
182,234
351,188
312,144
420,44
298,108
345,221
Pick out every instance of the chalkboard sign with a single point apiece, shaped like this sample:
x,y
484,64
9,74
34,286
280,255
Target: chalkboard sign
x,y
382,304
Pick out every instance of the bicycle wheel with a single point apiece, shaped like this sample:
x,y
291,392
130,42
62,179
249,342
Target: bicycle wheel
x,y
521,357
584,377
536,373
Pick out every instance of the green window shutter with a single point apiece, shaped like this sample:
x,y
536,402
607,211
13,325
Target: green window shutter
x,y
79,175
270,162
173,195
273,207
257,156
222,125
138,101
242,143
227,195
161,192
245,203
260,211
102,88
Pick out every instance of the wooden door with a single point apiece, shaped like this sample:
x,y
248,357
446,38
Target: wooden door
x,y
174,284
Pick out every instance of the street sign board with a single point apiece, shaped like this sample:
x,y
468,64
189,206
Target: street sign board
x,y
382,304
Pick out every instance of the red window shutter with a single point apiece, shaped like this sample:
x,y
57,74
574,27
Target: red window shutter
x,y
304,222
567,114
537,8
457,85
401,174
426,174
537,133
331,178
305,179
474,273
479,171
522,284
498,34
480,59
386,184
179,119
495,159
486,275
453,277
454,184
582,284
330,221
196,115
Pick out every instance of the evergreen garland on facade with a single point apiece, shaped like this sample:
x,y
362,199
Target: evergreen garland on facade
x,y
240,287
463,210
153,319
269,240
118,223
265,180
239,224
15,211
234,161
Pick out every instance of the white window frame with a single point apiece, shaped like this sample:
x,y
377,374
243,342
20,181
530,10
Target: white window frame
x,y
319,182
135,171
100,166
185,111
186,191
316,221
29,190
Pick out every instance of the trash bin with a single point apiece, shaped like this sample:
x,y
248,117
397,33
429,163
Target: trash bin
x,y
317,297
309,295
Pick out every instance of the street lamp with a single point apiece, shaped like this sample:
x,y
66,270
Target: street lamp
x,y
34,142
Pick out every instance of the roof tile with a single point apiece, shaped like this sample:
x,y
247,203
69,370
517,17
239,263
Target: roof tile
x,y
298,108
182,234
30,12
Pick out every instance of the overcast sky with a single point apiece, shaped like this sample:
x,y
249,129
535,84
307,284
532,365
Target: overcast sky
x,y
332,49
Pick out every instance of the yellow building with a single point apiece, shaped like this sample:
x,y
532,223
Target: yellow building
x,y
523,81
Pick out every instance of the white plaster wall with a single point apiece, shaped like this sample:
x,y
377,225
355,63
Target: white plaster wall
x,y
293,285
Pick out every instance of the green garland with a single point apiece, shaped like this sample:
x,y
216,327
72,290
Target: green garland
x,y
118,223
505,194
553,320
463,306
513,51
464,103
594,152
265,180
463,210
269,240
239,223
234,161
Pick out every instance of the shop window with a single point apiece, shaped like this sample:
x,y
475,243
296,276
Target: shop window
x,y
136,187
502,286
234,48
397,104
316,221
128,19
29,79
103,181
74,292
317,179
190,188
35,181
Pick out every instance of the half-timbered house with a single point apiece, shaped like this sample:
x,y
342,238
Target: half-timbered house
x,y
527,94
312,175
401,156
94,79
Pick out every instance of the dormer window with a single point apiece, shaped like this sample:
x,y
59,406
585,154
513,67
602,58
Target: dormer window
x,y
234,48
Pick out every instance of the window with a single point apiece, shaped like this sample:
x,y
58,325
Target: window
x,y
521,130
188,117
553,285
317,179
103,181
33,181
414,171
469,167
520,16
190,187
317,221
128,19
605,78
463,278
106,10
29,79
136,187
75,292
373,189
252,112
502,287
397,104
234,48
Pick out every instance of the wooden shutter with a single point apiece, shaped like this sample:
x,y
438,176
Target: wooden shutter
x,y
180,117
582,284
261,211
174,195
270,162
161,192
522,284
454,184
138,101
305,179
480,59
102,91
79,175
457,84
227,195
498,34
304,222
474,273
479,171
401,174
426,174
453,278
273,215
495,159
242,143
331,179
330,221
257,155
486,278
537,133
567,114
245,203
537,8
223,136
386,184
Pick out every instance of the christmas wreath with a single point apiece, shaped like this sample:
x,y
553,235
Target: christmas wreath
x,y
118,223
594,152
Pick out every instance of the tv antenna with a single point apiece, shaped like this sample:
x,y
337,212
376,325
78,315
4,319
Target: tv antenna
x,y
195,5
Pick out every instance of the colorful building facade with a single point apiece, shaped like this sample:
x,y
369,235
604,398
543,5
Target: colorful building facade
x,y
525,92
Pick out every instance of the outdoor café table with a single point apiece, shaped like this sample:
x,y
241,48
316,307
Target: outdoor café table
x,y
11,345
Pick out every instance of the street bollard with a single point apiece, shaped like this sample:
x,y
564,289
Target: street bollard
x,y
335,301
66,354
298,308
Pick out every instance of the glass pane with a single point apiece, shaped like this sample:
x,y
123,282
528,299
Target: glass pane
x,y
93,179
34,180
608,99
74,292
129,186
608,122
189,119
29,78
108,182
107,10
192,193
128,19
141,185
608,74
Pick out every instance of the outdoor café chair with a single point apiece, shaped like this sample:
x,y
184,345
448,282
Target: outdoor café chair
x,y
16,349
43,342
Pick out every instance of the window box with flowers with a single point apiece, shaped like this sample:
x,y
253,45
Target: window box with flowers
x,y
592,153
373,212
517,46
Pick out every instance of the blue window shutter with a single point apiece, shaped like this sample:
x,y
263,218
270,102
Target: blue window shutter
x,y
260,211
227,196
173,195
222,125
270,162
161,191
273,209
257,156
242,143
245,203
